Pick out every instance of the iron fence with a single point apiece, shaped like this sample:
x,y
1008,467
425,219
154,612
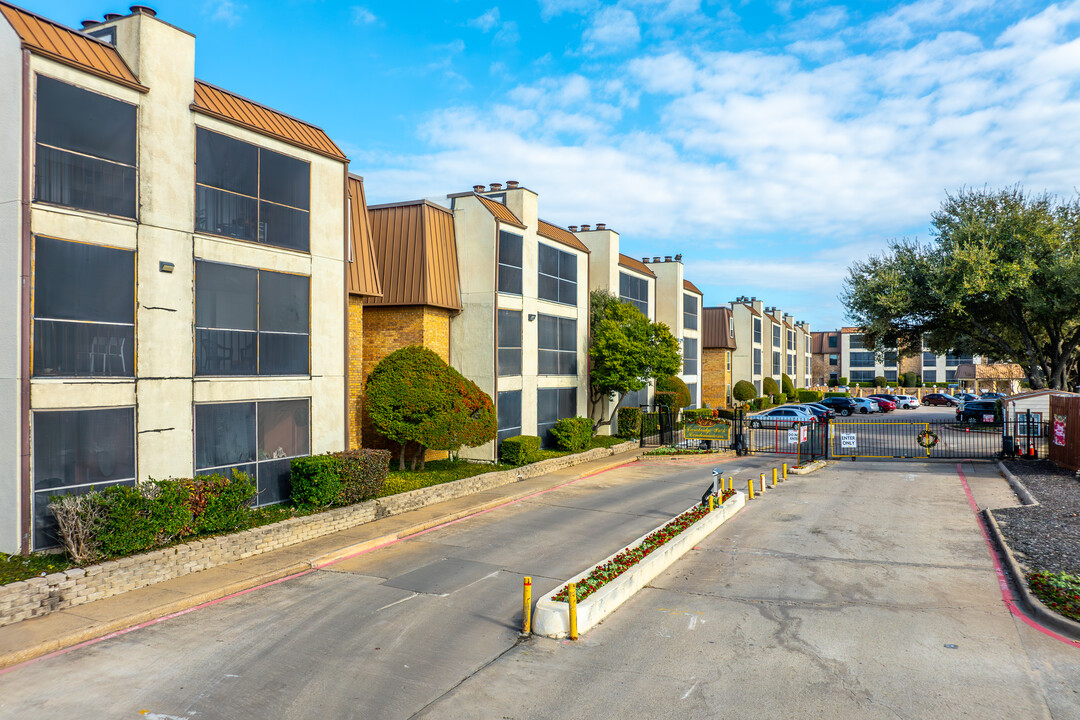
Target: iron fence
x,y
914,440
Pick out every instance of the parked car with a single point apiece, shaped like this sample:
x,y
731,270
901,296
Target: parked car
x,y
818,411
976,411
940,399
887,403
866,405
992,396
841,405
964,397
908,402
781,417
822,406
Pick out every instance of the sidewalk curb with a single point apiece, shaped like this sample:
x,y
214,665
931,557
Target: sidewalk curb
x,y
809,468
13,658
1017,486
1033,606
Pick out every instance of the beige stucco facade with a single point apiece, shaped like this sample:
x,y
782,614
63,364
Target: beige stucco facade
x,y
670,294
164,387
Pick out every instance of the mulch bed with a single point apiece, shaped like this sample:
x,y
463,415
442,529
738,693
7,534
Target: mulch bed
x,y
1044,536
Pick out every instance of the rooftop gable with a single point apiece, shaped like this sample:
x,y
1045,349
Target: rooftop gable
x,y
687,285
560,235
636,265
363,273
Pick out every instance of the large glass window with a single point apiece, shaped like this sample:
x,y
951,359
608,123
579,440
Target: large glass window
x,y
950,375
509,412
509,263
757,330
891,357
776,362
857,342
862,375
558,275
957,359
890,375
557,345
929,376
74,451
776,336
246,192
833,359
84,310
929,359
690,359
85,147
250,322
509,350
259,438
757,361
861,359
689,305
833,342
553,404
634,290
692,387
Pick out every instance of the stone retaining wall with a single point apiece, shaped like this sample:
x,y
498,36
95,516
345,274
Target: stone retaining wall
x,y
58,591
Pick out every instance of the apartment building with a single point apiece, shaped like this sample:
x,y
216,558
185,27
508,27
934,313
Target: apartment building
x,y
843,353
717,347
769,343
629,279
678,305
176,260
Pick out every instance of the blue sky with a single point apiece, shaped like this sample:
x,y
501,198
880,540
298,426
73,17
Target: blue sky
x,y
771,143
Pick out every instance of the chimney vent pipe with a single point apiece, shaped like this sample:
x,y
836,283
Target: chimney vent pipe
x,y
656,259
572,228
496,186
90,23
601,226
478,188
586,228
511,184
667,258
109,17
143,10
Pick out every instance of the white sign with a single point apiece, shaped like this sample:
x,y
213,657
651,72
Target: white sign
x,y
792,436
847,441
803,433
988,418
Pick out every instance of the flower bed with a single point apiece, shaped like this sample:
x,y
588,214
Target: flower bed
x,y
604,573
681,451
1058,591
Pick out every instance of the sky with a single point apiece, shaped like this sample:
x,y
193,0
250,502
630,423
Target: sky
x,y
771,143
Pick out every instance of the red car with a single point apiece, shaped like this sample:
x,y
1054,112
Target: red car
x,y
887,403
940,399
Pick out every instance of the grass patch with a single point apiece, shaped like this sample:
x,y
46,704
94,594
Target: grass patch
x,y
14,568
436,472
680,451
600,441
1059,591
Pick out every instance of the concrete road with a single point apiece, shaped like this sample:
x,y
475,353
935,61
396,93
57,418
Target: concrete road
x,y
379,636
838,595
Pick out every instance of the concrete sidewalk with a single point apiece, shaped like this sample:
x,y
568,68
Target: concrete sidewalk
x,y
40,636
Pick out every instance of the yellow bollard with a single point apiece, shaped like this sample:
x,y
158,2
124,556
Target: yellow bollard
x,y
785,471
750,487
731,484
526,607
573,611
712,503
762,483
774,477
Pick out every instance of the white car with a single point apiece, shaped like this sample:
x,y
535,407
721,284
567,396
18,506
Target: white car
x,y
908,402
781,417
866,405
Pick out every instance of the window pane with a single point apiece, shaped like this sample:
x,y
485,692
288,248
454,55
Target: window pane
x,y
83,447
547,332
283,302
547,362
547,405
73,348
568,266
225,296
223,213
283,179
226,352
929,376
226,163
283,227
510,362
273,482
568,292
510,279
509,250
549,260
77,281
548,288
281,354
567,363
509,328
86,122
567,334
509,411
64,178
224,434
283,429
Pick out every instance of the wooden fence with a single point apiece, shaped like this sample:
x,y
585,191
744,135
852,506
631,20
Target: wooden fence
x,y
1064,422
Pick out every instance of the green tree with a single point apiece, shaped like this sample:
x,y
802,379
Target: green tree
x,y
413,397
672,392
769,387
744,391
1001,278
786,386
627,351
880,381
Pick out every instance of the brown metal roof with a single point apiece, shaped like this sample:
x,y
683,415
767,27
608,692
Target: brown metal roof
x,y
363,275
772,318
560,235
70,47
416,254
232,108
636,265
687,285
500,211
714,329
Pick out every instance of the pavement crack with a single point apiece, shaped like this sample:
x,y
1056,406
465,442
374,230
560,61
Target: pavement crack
x,y
469,676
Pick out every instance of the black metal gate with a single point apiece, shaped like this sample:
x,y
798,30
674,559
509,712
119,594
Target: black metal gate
x,y
660,427
941,439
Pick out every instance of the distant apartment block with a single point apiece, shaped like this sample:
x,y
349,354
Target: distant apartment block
x,y
769,343
843,353
717,347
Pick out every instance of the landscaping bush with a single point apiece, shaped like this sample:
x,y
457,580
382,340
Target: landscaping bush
x,y
573,434
651,424
843,381
809,396
769,387
629,422
837,394
691,415
520,450
780,398
363,474
219,504
139,518
910,380
316,481
762,403
671,392
744,391
833,382
786,386
880,381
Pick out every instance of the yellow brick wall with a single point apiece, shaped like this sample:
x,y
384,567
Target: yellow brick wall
x,y
356,371
715,377
384,330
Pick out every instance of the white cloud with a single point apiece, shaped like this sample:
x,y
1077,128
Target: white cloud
x,y
612,29
361,15
224,11
487,21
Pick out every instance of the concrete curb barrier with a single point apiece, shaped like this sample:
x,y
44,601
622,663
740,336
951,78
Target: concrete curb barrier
x,y
552,619
1018,487
808,468
1033,605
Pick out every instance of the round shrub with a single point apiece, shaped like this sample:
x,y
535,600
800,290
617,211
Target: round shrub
x,y
671,392
769,387
786,386
744,391
880,381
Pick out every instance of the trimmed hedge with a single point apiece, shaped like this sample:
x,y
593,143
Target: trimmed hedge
x,y
837,394
762,403
316,481
363,474
573,434
786,386
809,396
880,381
672,392
769,387
341,478
520,450
744,391
629,422
780,398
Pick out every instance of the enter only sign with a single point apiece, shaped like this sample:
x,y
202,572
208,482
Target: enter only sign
x,y
847,441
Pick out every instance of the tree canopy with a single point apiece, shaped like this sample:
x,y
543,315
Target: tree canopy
x,y
413,396
672,392
1000,278
627,351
